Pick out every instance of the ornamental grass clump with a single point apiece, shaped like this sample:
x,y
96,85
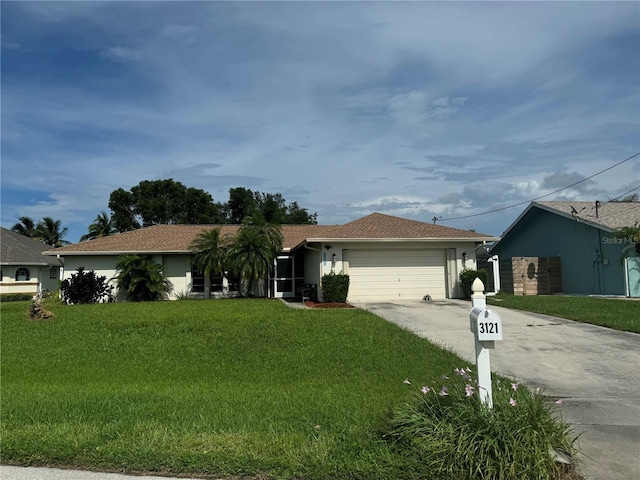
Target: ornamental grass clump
x,y
456,436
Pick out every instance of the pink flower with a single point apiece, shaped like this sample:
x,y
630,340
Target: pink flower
x,y
512,402
444,392
469,390
514,386
406,381
425,390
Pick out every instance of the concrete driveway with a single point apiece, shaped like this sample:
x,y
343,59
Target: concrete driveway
x,y
594,370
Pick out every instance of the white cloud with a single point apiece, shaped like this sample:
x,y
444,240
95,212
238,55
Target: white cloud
x,y
121,54
415,109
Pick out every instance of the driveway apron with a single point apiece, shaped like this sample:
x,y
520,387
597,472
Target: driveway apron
x,y
595,371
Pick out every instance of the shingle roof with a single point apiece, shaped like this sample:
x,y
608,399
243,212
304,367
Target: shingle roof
x,y
178,238
611,215
380,226
16,249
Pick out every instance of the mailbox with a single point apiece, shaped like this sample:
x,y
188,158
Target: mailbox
x,y
486,324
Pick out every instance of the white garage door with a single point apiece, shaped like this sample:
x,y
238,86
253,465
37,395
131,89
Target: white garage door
x,y
396,274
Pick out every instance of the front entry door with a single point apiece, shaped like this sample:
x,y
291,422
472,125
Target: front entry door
x,y
283,278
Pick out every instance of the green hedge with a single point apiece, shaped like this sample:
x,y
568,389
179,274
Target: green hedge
x,y
466,280
335,287
15,297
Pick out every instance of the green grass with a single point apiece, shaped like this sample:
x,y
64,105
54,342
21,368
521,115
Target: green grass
x,y
613,313
454,436
236,387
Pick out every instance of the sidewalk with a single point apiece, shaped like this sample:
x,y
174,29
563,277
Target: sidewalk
x,y
595,371
37,473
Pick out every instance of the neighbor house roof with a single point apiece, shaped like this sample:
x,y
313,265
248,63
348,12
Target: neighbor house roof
x,y
607,216
178,238
16,249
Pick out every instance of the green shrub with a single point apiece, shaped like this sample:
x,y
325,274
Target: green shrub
x,y
454,435
468,276
335,287
15,297
85,287
184,295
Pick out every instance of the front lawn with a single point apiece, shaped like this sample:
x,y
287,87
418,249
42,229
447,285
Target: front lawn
x,y
207,387
619,314
251,388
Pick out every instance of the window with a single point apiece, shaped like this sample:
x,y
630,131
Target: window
x,y
1,275
22,275
197,281
217,283
53,272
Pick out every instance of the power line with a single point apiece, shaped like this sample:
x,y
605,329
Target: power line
x,y
623,194
541,196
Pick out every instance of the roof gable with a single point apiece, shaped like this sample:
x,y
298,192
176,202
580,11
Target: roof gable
x,y
16,249
381,226
608,216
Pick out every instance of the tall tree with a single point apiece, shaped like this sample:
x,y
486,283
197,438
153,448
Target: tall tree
x,y
162,201
297,215
49,231
142,278
241,204
26,227
209,252
254,250
272,207
102,226
122,211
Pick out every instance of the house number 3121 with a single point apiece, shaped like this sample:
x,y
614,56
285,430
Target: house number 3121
x,y
488,327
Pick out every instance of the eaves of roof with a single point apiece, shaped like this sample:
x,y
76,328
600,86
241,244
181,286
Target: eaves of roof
x,y
403,239
27,263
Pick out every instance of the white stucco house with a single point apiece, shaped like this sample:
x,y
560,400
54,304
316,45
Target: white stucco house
x,y
387,258
23,267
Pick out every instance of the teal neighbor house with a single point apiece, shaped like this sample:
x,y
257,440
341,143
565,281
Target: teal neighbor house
x,y
580,234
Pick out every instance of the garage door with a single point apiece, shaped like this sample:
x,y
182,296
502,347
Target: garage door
x,y
396,274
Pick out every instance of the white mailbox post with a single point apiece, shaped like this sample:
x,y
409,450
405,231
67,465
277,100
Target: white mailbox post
x,y
486,326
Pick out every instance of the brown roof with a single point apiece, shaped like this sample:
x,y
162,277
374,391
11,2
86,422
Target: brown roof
x,y
380,226
611,215
178,238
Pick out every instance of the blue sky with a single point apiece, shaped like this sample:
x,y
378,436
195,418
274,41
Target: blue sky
x,y
413,109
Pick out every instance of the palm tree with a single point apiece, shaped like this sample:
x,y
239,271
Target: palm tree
x,y
102,226
142,278
254,250
48,231
26,227
209,252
